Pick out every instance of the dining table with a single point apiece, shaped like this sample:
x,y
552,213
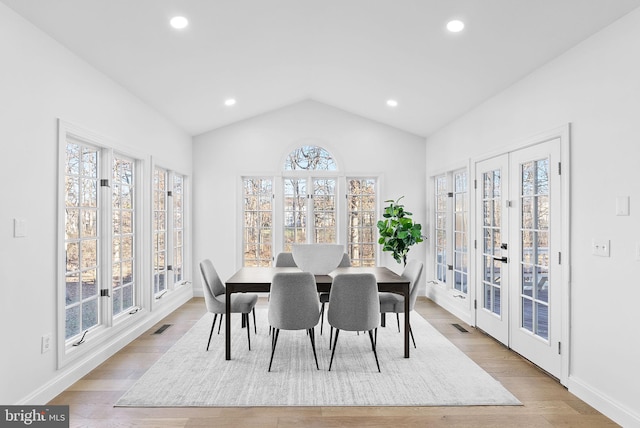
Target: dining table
x,y
258,280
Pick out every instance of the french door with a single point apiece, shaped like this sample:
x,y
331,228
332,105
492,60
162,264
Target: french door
x,y
518,232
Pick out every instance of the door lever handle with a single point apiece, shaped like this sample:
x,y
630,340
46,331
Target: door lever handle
x,y
501,259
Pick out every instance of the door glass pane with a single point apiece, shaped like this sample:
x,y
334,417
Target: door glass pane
x,y
491,225
295,212
534,244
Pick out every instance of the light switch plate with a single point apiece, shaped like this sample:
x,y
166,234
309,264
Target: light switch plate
x,y
622,205
600,248
19,228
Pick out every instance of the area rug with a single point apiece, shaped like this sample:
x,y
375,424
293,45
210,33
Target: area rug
x,y
437,374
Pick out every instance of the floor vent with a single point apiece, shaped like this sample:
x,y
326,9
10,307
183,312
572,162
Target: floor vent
x,y
162,329
461,328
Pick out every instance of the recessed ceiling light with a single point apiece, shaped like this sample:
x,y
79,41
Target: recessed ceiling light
x,y
455,26
392,103
179,22
230,102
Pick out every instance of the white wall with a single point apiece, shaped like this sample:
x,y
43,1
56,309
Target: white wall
x,y
596,88
260,145
41,81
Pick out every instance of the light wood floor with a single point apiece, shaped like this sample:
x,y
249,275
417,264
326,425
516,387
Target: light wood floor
x,y
546,402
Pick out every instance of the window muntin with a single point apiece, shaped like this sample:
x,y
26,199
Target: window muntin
x,y
160,181
257,235
82,238
177,196
123,275
361,221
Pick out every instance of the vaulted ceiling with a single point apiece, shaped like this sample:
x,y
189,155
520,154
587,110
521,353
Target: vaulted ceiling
x,y
351,54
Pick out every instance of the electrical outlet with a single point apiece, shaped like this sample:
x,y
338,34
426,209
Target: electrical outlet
x,y
600,248
46,343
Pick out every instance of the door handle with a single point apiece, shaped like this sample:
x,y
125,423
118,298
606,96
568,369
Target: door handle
x,y
501,259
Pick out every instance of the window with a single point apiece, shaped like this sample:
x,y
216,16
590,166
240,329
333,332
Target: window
x,y
309,196
452,230
123,273
159,230
361,221
178,228
257,236
82,238
441,212
101,252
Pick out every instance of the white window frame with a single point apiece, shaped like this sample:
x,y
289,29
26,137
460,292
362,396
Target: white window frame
x,y
76,346
258,211
451,271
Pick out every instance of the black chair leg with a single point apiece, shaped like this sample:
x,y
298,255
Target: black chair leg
x,y
330,337
383,319
246,318
375,338
312,336
398,318
373,346
211,334
255,327
220,324
335,341
412,339
321,318
274,341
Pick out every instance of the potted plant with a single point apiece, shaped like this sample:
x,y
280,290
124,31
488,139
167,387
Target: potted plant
x,y
398,232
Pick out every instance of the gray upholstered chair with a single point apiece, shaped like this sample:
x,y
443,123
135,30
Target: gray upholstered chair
x,y
215,299
293,305
324,297
354,305
285,260
390,302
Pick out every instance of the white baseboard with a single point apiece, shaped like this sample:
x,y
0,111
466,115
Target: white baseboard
x,y
67,376
605,405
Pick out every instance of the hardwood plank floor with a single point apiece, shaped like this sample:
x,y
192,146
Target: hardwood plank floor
x,y
546,402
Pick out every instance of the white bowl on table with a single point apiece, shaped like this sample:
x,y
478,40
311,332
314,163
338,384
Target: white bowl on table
x,y
319,259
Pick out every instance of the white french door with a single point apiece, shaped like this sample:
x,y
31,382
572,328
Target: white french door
x,y
492,314
519,236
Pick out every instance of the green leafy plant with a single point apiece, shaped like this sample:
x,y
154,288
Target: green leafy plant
x,y
398,232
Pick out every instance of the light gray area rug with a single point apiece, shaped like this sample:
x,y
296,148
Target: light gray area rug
x,y
437,374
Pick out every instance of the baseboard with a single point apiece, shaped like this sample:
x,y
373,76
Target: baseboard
x,y
75,371
605,405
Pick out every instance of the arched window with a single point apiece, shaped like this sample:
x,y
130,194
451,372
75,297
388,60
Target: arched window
x,y
310,158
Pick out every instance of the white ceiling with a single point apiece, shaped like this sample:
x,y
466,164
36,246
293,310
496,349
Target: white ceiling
x,y
351,54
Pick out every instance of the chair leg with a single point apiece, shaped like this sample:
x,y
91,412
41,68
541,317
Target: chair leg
x,y
255,327
330,337
312,336
412,339
383,319
335,341
222,316
373,346
321,318
375,338
398,318
246,318
211,334
274,341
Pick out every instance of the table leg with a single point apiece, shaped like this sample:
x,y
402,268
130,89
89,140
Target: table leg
x,y
407,325
227,326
